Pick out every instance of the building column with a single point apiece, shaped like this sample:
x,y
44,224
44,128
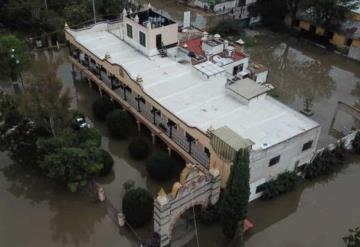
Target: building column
x,y
100,91
138,125
162,217
89,82
153,137
169,151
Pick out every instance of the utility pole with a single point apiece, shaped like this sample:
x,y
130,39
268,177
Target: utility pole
x,y
94,12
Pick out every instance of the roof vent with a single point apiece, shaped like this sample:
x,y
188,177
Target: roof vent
x,y
264,146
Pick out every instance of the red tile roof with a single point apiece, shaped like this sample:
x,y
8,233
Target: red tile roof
x,y
194,45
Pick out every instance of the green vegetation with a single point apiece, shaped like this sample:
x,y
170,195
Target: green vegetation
x,y
324,163
227,27
356,143
107,163
353,239
160,166
14,57
128,184
249,41
139,149
211,214
284,183
102,107
137,206
38,131
324,12
330,13
89,136
118,123
37,17
235,198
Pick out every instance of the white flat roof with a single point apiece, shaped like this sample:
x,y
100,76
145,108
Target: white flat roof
x,y
197,101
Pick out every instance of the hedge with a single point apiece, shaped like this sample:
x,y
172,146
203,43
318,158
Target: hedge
x,y
118,123
137,206
102,107
139,149
160,166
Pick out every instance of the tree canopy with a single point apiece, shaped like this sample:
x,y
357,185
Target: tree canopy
x,y
14,56
330,12
45,102
236,195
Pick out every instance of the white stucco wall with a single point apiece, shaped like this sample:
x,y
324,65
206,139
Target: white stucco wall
x,y
290,154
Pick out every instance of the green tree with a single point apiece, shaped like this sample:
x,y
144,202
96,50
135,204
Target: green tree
x,y
137,206
73,166
89,136
356,143
272,12
107,162
236,195
102,107
160,166
47,104
76,13
118,123
353,239
139,149
330,12
14,57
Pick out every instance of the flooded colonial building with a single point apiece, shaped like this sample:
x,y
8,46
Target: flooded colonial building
x,y
198,93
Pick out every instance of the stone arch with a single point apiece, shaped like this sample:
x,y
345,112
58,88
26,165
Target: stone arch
x,y
202,203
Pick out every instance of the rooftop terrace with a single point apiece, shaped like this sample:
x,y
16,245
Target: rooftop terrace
x,y
198,101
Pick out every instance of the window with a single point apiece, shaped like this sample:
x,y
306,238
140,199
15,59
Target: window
x,y
348,42
274,161
129,31
142,38
207,151
259,189
307,145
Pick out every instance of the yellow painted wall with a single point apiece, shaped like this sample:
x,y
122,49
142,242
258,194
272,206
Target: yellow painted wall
x,y
356,43
320,31
305,25
338,40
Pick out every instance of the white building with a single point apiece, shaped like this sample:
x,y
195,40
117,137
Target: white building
x,y
194,94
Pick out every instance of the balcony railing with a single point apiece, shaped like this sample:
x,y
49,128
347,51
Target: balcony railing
x,y
177,136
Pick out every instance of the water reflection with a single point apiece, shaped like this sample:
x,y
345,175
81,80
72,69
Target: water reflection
x,y
305,74
71,219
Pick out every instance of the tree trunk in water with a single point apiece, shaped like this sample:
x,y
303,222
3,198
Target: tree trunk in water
x,y
238,240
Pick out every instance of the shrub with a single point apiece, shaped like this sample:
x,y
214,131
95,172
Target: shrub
x,y
324,163
118,123
12,118
284,183
227,27
137,206
129,185
107,162
356,143
160,166
102,107
210,215
353,239
89,136
139,149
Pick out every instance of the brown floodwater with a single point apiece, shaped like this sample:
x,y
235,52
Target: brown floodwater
x,y
302,72
35,212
